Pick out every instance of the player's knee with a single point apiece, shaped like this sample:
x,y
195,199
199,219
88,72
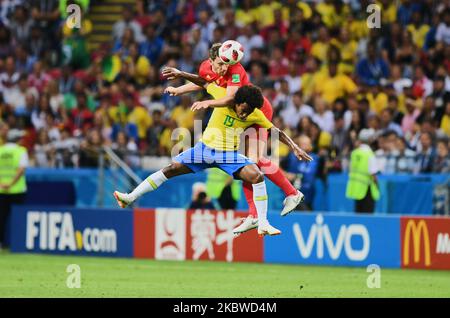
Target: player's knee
x,y
171,170
256,177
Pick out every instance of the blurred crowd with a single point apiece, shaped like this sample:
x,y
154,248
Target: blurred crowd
x,y
326,72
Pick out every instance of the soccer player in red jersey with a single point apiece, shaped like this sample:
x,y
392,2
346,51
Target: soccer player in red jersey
x,y
231,77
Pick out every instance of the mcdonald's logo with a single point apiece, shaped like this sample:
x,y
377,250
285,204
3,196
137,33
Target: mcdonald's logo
x,y
418,231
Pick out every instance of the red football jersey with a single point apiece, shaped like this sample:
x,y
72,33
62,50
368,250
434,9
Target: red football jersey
x,y
235,76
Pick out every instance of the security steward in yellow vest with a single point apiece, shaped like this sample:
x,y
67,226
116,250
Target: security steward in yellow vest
x,y
13,161
362,183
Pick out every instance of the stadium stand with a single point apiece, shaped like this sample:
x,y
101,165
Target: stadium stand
x,y
67,91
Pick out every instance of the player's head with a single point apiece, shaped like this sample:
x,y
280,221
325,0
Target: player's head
x,y
218,66
247,98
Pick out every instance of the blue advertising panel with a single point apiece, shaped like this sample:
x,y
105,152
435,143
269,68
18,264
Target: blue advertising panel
x,y
333,239
69,230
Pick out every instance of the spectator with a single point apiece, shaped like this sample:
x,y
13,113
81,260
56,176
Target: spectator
x,y
249,40
296,110
138,116
405,157
90,149
373,69
201,47
427,154
199,198
6,45
278,65
412,112
9,78
46,14
127,22
139,67
122,45
442,160
387,124
152,46
39,115
56,98
126,149
44,153
24,62
39,78
206,26
21,25
334,85
443,29
445,122
282,97
440,96
66,81
340,141
303,174
323,116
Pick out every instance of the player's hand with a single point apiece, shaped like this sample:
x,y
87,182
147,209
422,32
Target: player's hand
x,y
171,72
172,91
200,105
301,154
4,186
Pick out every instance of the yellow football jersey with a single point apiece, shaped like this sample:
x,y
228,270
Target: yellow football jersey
x,y
224,127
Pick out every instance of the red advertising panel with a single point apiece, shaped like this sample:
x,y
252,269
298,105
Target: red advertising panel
x,y
425,242
210,237
177,234
144,233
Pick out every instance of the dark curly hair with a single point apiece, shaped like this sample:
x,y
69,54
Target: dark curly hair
x,y
251,95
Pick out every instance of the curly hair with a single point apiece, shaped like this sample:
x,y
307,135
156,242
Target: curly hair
x,y
251,95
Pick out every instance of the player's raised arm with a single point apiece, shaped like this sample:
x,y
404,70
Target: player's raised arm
x,y
172,73
221,102
196,82
299,153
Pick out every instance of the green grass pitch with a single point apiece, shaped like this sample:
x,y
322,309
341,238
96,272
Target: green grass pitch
x,y
28,275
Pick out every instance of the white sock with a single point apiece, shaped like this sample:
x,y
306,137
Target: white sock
x,y
150,184
260,199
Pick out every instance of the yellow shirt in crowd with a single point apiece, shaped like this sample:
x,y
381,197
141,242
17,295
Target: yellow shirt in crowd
x,y
388,14
378,102
331,88
418,34
141,118
184,117
445,124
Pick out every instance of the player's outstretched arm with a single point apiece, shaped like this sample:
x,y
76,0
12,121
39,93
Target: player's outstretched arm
x,y
299,153
183,89
172,73
220,102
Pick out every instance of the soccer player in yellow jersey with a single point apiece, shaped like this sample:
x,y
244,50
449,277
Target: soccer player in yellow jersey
x,y
218,148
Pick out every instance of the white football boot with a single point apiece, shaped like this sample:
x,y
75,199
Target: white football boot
x,y
291,202
248,224
267,229
123,199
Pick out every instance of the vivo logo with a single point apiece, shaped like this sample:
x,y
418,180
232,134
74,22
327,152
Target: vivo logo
x,y
320,237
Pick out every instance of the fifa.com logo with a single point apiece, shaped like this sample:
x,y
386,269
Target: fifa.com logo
x,y
249,145
54,231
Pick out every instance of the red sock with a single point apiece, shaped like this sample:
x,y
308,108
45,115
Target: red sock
x,y
276,175
248,192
